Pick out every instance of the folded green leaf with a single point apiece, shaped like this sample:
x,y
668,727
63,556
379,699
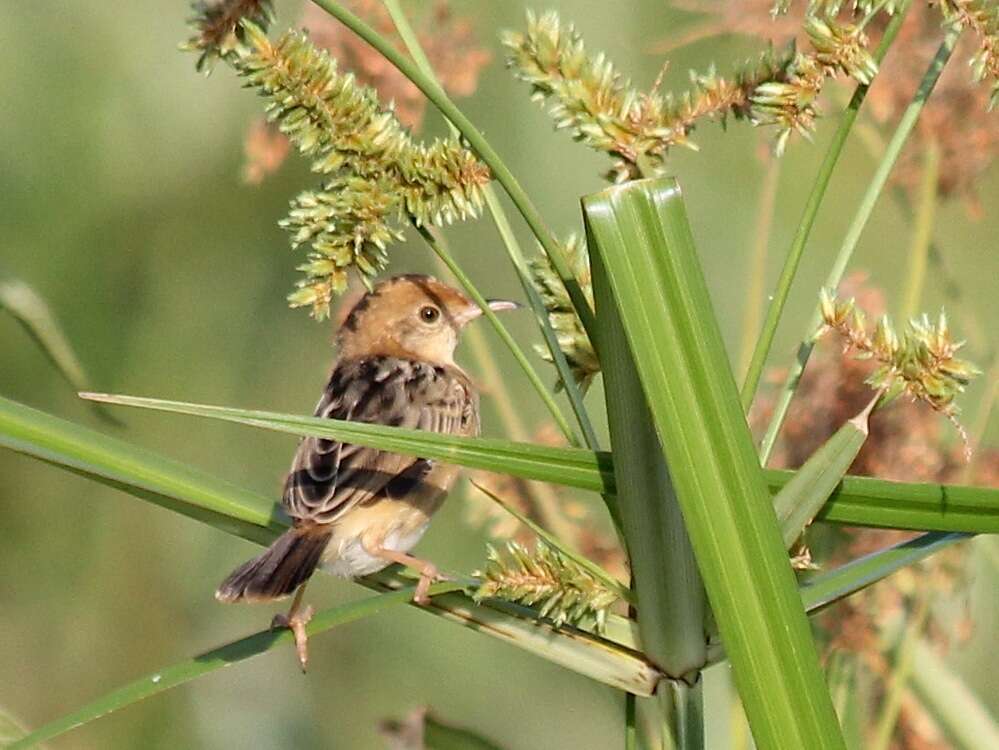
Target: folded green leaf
x,y
672,604
642,240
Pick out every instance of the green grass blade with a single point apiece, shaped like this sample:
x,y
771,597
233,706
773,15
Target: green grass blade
x,y
857,501
866,501
222,505
828,588
643,241
134,469
26,306
790,268
803,497
231,653
864,211
573,467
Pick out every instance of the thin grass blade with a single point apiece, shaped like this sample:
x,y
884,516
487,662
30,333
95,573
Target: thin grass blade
x,y
232,653
31,310
829,588
573,467
200,496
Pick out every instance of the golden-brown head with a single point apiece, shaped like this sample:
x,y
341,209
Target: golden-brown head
x,y
411,317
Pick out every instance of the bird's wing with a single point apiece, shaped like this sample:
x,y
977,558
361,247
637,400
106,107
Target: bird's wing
x,y
328,477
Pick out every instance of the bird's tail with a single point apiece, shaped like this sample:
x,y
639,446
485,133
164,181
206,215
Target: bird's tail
x,y
281,569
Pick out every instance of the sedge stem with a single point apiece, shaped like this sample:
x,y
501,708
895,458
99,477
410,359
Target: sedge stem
x,y
874,189
804,230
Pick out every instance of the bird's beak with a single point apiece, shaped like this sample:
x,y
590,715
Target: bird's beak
x,y
496,305
499,305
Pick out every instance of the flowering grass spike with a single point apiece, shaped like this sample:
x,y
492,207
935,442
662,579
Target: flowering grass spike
x,y
557,587
572,338
919,363
605,111
377,175
982,17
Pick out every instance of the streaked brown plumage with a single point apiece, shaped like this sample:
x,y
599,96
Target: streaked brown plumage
x,y
360,509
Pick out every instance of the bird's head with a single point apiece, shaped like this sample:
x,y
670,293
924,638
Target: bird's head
x,y
412,317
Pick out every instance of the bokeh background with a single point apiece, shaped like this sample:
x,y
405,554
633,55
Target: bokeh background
x,y
122,203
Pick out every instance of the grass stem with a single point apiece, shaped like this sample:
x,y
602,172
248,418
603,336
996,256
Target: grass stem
x,y
758,264
804,230
922,235
874,189
514,251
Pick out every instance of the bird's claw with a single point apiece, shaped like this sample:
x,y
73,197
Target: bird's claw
x,y
296,622
428,575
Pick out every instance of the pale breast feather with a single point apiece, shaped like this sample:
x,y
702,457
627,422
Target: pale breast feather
x,y
328,478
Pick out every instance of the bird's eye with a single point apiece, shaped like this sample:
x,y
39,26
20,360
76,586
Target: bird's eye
x,y
429,314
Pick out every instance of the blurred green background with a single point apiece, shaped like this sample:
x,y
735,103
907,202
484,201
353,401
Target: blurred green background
x,y
122,204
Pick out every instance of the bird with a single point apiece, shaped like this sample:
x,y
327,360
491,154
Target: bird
x,y
356,510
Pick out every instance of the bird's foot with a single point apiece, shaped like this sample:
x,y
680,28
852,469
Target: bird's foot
x,y
429,574
295,621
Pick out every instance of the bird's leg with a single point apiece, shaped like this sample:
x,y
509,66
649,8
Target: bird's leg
x,y
427,570
296,620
